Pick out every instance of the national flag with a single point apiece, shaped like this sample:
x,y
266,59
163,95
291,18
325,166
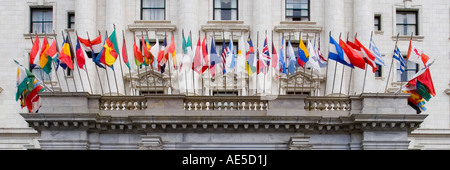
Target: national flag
x,y
80,56
24,80
187,55
303,55
154,50
224,56
275,58
33,101
313,58
34,53
65,55
162,57
111,54
322,62
99,59
416,56
45,60
336,53
398,56
205,60
124,54
251,60
241,59
146,50
215,59
97,45
368,56
281,64
265,58
197,63
93,49
138,58
376,52
230,59
292,59
52,51
421,88
172,51
355,58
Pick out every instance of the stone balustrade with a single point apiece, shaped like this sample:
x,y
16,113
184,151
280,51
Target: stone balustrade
x,y
327,104
120,103
225,104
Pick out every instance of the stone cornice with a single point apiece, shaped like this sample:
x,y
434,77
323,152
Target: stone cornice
x,y
159,26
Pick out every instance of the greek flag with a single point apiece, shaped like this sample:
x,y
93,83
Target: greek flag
x,y
398,56
376,52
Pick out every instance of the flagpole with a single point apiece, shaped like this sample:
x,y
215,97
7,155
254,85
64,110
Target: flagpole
x,y
106,70
343,71
96,67
209,68
225,66
42,74
193,72
143,58
312,69
235,61
392,64
287,80
54,65
148,64
335,67
185,74
406,65
114,73
248,74
51,83
71,51
153,69
351,75
168,63
365,75
202,89
281,74
50,77
128,60
75,58
87,74
271,68
120,63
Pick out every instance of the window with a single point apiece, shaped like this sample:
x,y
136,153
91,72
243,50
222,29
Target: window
x,y
71,20
377,23
297,10
379,72
411,70
153,10
225,10
407,22
41,20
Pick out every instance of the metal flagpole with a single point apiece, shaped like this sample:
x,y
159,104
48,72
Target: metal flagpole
x,y
293,75
312,69
351,75
248,70
209,68
128,59
201,61
343,71
365,74
120,63
106,70
185,73
406,66
87,74
265,71
235,61
215,68
392,64
96,67
42,74
304,68
271,67
75,84
75,58
114,73
168,63
148,64
335,67
193,72
225,66
257,61
54,65
51,83
138,67
279,79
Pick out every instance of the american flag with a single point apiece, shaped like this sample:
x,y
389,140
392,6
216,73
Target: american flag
x,y
224,56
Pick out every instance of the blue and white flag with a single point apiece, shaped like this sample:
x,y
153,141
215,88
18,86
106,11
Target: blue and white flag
x,y
292,59
336,53
398,56
376,52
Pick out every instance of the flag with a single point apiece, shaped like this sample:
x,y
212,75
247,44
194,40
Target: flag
x,y
163,57
96,45
65,55
275,58
224,56
215,59
336,53
398,56
93,49
251,61
146,50
355,58
415,56
154,50
368,56
241,59
265,58
197,63
292,59
110,50
303,55
376,52
205,60
187,60
281,64
45,60
172,51
421,88
124,54
80,56
230,59
33,101
24,80
52,52
34,53
313,58
322,62
138,58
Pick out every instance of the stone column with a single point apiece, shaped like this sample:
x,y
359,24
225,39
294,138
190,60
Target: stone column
x,y
86,21
334,22
363,19
115,12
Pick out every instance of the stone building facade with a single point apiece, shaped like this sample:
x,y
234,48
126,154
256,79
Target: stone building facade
x,y
175,119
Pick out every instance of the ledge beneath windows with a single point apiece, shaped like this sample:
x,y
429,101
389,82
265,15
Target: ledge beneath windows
x,y
159,26
298,26
447,91
29,35
225,26
408,37
380,33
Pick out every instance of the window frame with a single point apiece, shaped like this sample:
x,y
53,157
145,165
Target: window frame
x,y
286,8
416,70
378,23
379,71
237,11
69,22
142,9
32,10
416,12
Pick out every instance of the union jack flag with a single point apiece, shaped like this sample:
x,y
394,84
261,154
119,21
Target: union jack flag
x,y
265,59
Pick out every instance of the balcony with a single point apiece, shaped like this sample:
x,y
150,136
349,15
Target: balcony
x,y
159,118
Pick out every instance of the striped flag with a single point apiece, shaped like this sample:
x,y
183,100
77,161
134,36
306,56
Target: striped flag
x,y
215,59
251,60
376,52
265,58
224,57
398,56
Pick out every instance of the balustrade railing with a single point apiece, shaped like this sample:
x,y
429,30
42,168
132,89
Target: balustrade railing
x,y
119,103
225,104
327,104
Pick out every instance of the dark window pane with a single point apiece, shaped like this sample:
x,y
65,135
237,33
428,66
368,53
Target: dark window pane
x,y
298,10
153,4
41,20
153,10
